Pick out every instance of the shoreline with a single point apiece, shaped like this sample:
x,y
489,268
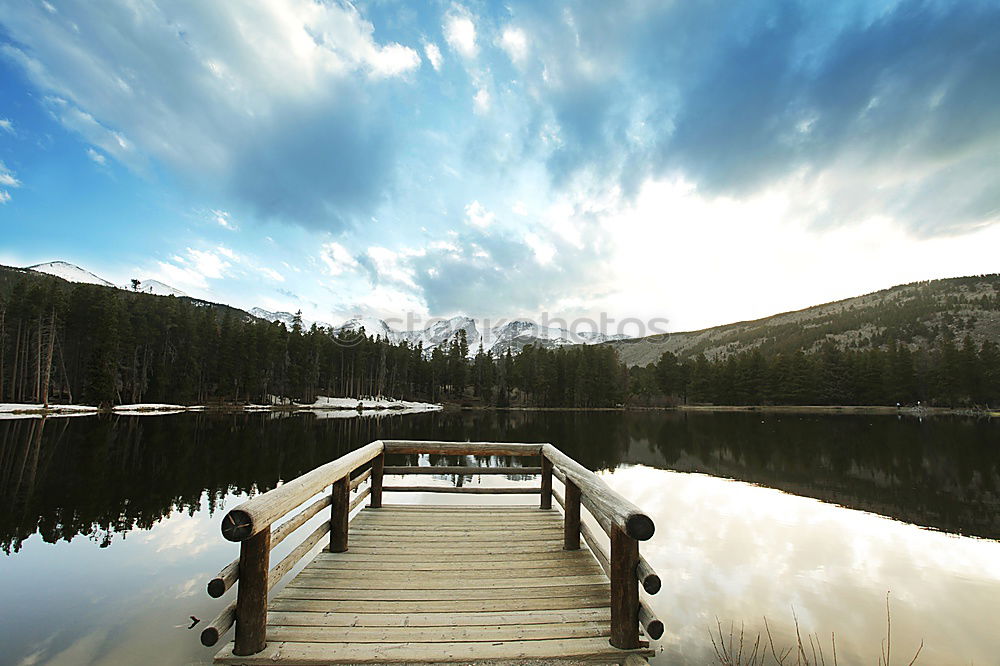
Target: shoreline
x,y
882,410
341,408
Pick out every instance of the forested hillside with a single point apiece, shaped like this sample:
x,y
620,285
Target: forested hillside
x,y
916,315
62,342
66,342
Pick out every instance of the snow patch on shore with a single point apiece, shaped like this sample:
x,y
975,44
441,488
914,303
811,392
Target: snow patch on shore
x,y
371,404
324,406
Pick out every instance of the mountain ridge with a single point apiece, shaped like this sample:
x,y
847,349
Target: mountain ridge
x,y
913,314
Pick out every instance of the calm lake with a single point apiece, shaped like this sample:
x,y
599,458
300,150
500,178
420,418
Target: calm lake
x,y
110,525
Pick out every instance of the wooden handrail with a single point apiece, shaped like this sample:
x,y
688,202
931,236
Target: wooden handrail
x,y
463,470
470,490
462,448
600,498
257,513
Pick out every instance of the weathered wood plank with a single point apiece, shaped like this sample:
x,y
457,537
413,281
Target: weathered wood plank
x,y
461,470
296,590
576,649
470,559
448,529
494,567
508,632
438,537
472,619
425,582
462,508
427,552
362,571
452,606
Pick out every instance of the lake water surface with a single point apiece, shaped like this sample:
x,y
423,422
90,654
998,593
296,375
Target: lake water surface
x,y
110,525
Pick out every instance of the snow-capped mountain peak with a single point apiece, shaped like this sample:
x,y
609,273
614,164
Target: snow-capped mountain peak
x,y
158,288
286,318
70,273
378,328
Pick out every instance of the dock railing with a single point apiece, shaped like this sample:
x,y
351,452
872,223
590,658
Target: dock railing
x,y
252,525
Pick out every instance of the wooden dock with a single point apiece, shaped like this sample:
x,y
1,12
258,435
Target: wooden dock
x,y
420,584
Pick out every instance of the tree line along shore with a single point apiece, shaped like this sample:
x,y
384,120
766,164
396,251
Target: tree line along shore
x,y
78,343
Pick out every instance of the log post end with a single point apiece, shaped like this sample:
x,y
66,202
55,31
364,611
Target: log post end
x,y
216,588
237,525
640,527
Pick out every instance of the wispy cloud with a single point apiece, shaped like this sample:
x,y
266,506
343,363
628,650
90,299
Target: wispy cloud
x,y
7,179
96,157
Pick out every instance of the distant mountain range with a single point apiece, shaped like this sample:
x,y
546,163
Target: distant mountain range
x,y
913,314
73,273
508,335
512,335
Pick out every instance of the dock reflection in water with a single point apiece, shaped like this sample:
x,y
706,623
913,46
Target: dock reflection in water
x,y
111,523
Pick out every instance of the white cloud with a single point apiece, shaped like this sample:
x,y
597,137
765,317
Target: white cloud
x,y
7,179
6,125
515,43
393,60
192,270
477,215
482,100
224,220
460,33
544,250
97,157
336,258
272,274
519,208
394,265
433,54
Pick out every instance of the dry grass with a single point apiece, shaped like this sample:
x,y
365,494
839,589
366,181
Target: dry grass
x,y
737,649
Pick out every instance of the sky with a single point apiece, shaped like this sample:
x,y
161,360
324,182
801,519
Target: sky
x,y
690,162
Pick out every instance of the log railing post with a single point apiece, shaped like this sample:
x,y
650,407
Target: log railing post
x,y
378,465
546,501
251,595
624,590
571,526
340,506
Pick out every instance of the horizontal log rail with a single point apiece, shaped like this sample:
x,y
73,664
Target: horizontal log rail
x,y
251,523
463,470
462,448
599,498
470,490
257,513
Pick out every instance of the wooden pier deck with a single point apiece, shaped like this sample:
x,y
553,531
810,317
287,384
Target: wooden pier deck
x,y
432,584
